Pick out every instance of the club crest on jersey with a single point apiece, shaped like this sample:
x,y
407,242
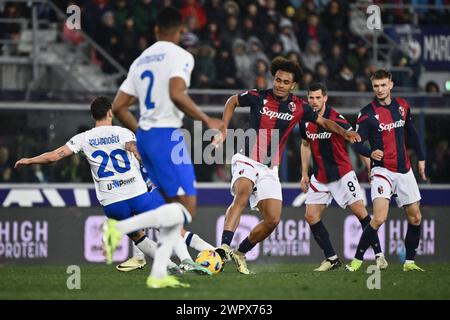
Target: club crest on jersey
x,y
380,190
401,111
292,106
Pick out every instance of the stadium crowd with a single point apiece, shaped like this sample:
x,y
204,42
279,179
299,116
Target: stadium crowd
x,y
234,41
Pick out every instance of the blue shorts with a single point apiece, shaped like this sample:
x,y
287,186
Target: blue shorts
x,y
125,209
168,162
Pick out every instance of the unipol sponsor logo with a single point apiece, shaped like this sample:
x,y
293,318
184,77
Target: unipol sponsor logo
x,y
278,115
322,135
23,239
291,238
389,126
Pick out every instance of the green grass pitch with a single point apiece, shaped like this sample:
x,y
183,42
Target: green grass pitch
x,y
271,282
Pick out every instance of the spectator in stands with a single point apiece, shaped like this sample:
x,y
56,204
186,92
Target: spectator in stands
x,y
214,11
5,166
255,53
190,37
108,36
248,29
313,30
346,79
211,35
287,36
431,87
307,79
321,75
122,12
192,8
335,61
144,15
358,58
243,63
205,69
312,55
128,43
269,35
294,56
230,31
226,70
262,75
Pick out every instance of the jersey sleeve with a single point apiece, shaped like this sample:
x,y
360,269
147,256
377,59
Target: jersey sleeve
x,y
128,86
75,144
248,98
309,114
182,67
340,120
128,135
363,125
303,130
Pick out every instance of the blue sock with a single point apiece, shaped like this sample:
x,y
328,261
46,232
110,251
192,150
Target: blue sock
x,y
412,241
322,237
367,238
227,237
376,244
246,246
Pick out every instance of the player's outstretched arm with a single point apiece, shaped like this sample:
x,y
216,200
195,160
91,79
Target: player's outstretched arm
x,y
305,155
331,126
45,158
177,89
228,112
120,106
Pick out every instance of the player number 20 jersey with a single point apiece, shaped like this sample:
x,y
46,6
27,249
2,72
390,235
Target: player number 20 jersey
x,y
115,171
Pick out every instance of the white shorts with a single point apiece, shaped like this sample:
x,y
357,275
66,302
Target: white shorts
x,y
344,191
403,186
266,182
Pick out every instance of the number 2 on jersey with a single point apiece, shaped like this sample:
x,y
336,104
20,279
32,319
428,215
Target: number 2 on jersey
x,y
102,171
148,98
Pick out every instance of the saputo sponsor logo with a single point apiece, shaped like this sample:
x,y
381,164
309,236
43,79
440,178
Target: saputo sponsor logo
x,y
389,126
274,114
322,135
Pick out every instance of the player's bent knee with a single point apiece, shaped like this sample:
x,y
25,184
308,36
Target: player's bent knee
x,y
378,221
272,222
311,217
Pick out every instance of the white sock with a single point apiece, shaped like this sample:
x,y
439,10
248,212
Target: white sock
x,y
409,261
194,241
149,247
137,253
333,257
181,250
165,216
167,239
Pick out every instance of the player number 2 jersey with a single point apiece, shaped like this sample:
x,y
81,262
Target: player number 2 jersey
x,y
115,171
148,80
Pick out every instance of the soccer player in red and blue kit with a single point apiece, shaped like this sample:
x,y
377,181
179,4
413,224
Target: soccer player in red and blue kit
x,y
385,122
273,115
333,177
